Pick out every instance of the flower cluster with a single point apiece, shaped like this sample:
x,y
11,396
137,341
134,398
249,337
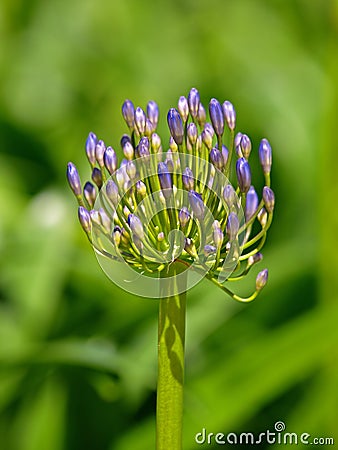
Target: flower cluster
x,y
177,204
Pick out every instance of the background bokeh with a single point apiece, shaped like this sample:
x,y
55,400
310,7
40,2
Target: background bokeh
x,y
78,355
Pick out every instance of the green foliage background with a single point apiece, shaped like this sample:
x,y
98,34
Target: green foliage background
x,y
78,355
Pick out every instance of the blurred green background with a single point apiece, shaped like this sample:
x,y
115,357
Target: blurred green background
x,y
78,355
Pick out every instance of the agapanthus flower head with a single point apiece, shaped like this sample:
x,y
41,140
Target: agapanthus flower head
x,y
178,203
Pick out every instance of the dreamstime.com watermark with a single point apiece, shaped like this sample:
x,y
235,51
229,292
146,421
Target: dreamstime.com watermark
x,y
277,436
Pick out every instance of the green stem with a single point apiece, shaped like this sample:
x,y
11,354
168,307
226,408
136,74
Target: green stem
x,y
171,336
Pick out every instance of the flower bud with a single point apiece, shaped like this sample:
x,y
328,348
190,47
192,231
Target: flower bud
x,y
84,218
229,195
245,145
140,120
202,116
251,203
128,112
218,236
262,217
105,220
183,108
207,138
143,148
184,216
97,177
254,259
188,179
175,125
262,279
136,226
160,237
209,250
117,236
172,145
190,248
110,160
229,114
243,175
165,179
216,158
112,192
265,156
155,142
73,179
99,152
194,102
216,116
131,169
269,199
237,139
90,148
192,133
197,204
141,188
149,128
232,226
128,150
89,193
153,113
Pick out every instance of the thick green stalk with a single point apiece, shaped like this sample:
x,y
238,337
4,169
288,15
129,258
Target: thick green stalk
x,y
171,337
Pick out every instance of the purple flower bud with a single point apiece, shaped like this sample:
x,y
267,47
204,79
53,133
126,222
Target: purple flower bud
x,y
153,113
140,119
131,169
192,133
197,204
172,145
245,145
155,142
237,139
90,148
262,217
99,152
184,216
95,217
73,179
97,177
207,138
254,259
84,218
225,154
229,114
110,160
262,279
251,203
190,248
128,112
194,102
188,179
105,220
117,236
209,250
89,193
141,188
243,175
269,199
160,236
216,116
265,156
218,236
216,158
143,148
202,116
112,192
136,226
232,226
229,195
125,138
165,179
183,108
149,128
175,125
